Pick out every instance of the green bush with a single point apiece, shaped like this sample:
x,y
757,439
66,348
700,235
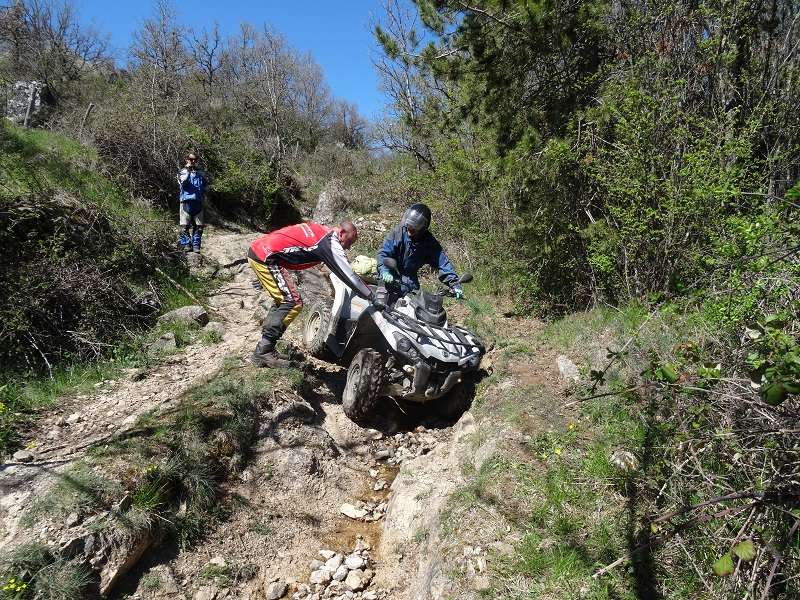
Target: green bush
x,y
79,256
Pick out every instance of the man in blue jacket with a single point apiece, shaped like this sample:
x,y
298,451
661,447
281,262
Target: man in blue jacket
x,y
192,184
412,245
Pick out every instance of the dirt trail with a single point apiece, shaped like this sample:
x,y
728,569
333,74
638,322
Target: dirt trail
x,y
310,460
84,421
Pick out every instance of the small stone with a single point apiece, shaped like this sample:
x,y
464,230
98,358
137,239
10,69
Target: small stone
x,y
218,561
72,519
205,593
373,473
361,545
482,583
315,564
23,456
333,563
379,485
341,573
369,596
276,590
89,544
567,369
74,418
137,374
351,511
356,580
186,314
624,460
327,554
321,577
354,561
384,453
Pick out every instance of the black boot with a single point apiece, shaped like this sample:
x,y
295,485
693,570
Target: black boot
x,y
265,355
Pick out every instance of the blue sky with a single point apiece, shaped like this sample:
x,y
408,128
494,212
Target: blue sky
x,y
337,33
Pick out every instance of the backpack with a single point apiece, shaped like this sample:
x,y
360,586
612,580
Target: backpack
x,y
193,190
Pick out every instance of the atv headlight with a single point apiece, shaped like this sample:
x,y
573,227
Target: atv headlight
x,y
406,347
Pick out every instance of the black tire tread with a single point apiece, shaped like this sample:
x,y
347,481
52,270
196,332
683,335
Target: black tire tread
x,y
361,407
318,348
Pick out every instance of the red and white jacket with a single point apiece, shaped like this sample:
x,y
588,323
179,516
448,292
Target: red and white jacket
x,y
302,246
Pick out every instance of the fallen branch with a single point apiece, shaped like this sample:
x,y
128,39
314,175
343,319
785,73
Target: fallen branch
x,y
685,509
185,291
595,396
664,538
778,560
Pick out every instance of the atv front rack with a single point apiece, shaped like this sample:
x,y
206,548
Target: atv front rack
x,y
406,323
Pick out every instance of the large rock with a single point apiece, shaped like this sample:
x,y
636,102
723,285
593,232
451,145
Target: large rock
x,y
122,560
351,511
331,200
166,343
321,577
24,99
23,456
186,314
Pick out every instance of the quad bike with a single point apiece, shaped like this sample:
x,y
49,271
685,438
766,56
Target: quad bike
x,y
406,351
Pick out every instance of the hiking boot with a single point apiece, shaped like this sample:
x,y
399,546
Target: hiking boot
x,y
265,355
185,242
197,239
274,361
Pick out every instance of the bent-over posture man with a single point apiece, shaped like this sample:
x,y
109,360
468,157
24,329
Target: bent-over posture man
x,y
297,247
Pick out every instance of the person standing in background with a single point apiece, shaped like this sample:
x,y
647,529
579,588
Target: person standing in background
x,y
192,183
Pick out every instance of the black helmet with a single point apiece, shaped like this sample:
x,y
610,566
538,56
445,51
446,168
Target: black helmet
x,y
418,217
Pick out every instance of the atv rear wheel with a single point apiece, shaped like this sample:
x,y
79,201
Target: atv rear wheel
x,y
316,328
362,390
457,400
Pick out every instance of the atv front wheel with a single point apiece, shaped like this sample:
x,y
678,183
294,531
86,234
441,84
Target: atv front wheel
x,y
456,401
316,328
364,382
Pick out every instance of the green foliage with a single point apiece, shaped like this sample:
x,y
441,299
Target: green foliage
x,y
32,572
774,360
584,154
79,490
77,254
245,186
175,460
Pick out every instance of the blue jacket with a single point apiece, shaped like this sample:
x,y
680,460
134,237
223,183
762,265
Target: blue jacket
x,y
411,255
192,185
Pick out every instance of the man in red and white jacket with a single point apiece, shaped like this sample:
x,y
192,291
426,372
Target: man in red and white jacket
x,y
297,247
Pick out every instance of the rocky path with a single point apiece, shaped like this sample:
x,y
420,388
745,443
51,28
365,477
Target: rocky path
x,y
325,509
84,421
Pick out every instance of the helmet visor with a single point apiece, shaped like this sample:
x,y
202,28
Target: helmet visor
x,y
415,221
